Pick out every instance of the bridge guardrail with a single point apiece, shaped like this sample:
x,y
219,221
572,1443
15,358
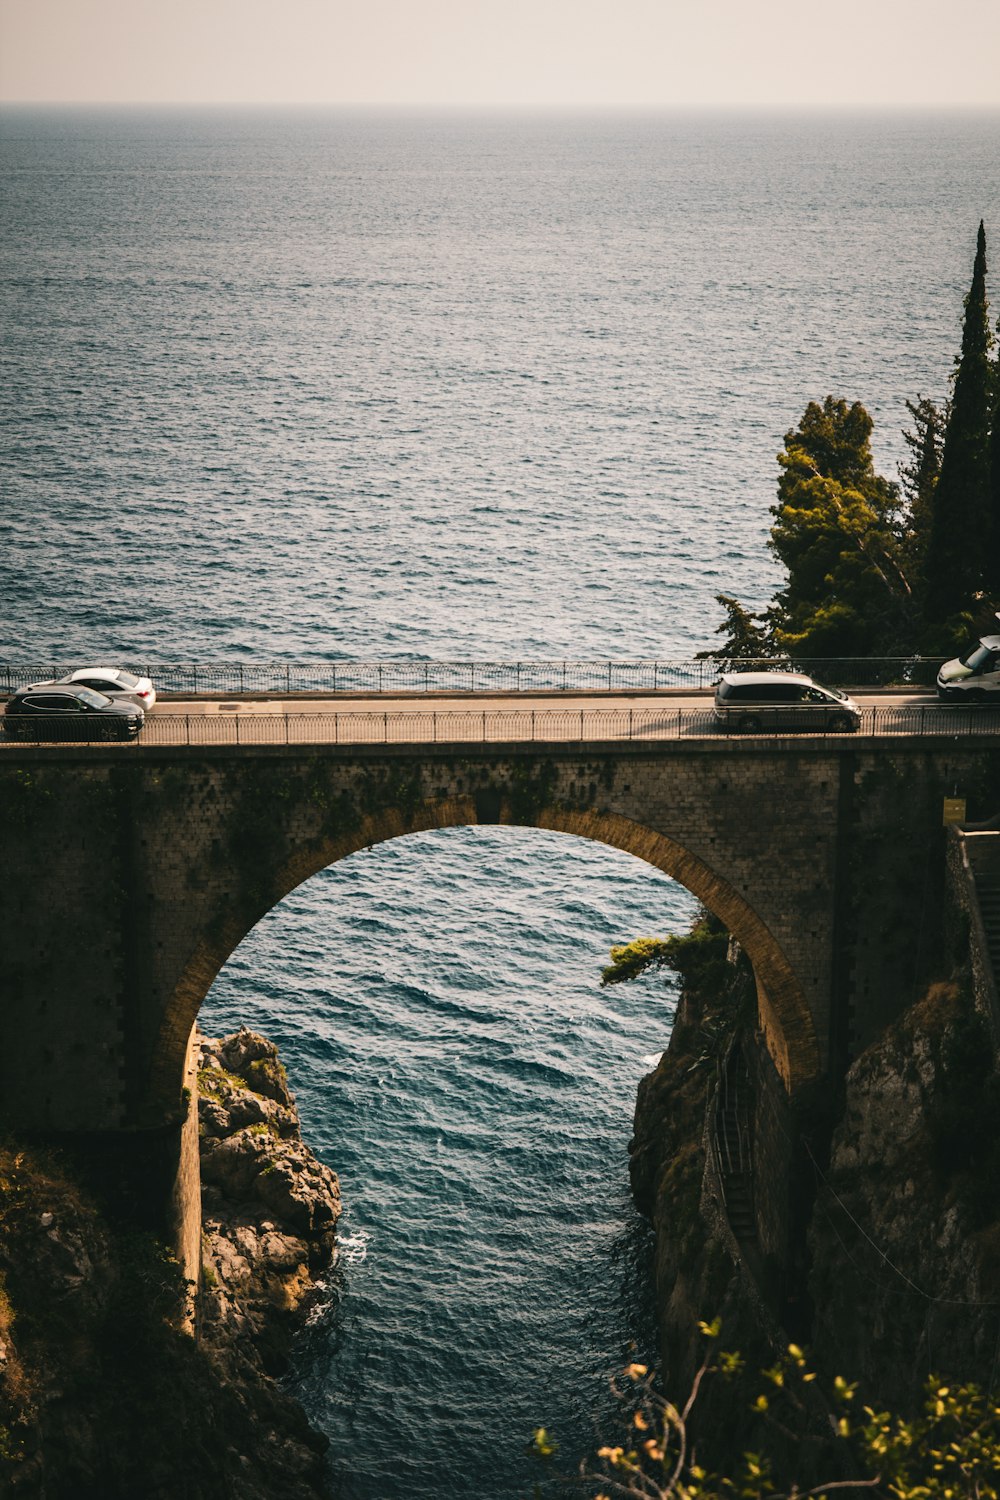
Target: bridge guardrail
x,y
520,725
481,676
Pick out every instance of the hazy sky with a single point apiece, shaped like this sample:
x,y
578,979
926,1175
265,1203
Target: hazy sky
x,y
524,52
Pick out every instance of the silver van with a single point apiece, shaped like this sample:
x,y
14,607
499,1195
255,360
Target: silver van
x,y
756,702
973,677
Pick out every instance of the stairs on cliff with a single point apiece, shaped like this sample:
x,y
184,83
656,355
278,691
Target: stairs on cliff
x,y
733,1117
989,907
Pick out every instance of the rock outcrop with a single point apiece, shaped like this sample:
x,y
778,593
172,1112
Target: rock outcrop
x,y
269,1207
102,1396
895,1272
699,1273
905,1234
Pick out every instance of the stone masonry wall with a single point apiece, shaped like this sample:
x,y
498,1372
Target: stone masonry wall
x,y
133,872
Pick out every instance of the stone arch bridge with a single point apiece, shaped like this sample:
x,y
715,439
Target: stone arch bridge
x,y
131,873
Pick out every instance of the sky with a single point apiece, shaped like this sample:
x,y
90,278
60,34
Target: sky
x,y
530,53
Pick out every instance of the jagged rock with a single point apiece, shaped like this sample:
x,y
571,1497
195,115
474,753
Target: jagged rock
x,y
270,1207
902,1227
102,1396
255,1060
904,1237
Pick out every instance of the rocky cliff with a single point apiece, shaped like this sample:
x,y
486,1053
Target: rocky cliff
x,y
269,1208
101,1393
892,1270
904,1238
700,1271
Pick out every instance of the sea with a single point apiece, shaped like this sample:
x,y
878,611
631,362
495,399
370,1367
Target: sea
x,y
317,385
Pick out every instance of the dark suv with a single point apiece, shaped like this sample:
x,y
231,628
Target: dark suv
x,y
59,711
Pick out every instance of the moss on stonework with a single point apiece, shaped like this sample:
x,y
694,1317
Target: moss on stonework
x,y
531,789
22,795
387,788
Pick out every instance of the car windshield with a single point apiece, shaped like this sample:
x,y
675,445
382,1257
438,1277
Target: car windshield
x,y
127,680
977,658
90,699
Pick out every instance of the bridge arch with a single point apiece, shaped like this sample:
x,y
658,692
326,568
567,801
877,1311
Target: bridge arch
x,y
784,1012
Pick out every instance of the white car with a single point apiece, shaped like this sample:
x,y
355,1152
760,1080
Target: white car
x,y
973,677
115,682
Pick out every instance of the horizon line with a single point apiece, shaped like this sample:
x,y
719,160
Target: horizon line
x,y
809,106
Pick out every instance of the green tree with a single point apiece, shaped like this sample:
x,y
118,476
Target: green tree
x,y
699,956
918,481
836,530
747,636
991,572
961,529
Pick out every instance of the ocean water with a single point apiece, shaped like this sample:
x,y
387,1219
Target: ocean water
x,y
315,385
436,1002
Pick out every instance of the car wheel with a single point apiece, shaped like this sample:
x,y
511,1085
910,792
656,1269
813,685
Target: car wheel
x,y
841,724
751,724
976,695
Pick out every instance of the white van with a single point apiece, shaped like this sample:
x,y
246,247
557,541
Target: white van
x,y
974,677
754,702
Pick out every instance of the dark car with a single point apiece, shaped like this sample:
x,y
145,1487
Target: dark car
x,y
57,711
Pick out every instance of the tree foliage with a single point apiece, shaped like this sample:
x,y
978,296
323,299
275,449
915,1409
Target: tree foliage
x,y
949,1451
991,571
698,956
961,521
835,531
748,637
875,568
918,481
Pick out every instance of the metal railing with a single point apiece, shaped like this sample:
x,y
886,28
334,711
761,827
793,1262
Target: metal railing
x,y
491,726
483,676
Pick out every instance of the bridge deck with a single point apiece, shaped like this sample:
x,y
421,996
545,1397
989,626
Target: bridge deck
x,y
498,719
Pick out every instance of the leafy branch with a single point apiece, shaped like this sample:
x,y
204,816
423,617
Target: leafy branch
x,y
949,1451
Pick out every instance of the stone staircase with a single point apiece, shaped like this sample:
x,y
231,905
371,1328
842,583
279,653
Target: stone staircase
x,y
734,1149
989,909
984,858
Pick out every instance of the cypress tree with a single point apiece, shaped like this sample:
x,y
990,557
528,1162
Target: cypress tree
x,y
991,570
961,525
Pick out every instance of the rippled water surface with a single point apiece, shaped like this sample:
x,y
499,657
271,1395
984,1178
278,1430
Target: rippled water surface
x,y
437,1005
315,386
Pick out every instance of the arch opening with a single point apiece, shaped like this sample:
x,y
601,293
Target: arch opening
x,y
474,1088
784,1013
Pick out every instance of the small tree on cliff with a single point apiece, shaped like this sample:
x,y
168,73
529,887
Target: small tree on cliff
x,y
836,531
962,528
